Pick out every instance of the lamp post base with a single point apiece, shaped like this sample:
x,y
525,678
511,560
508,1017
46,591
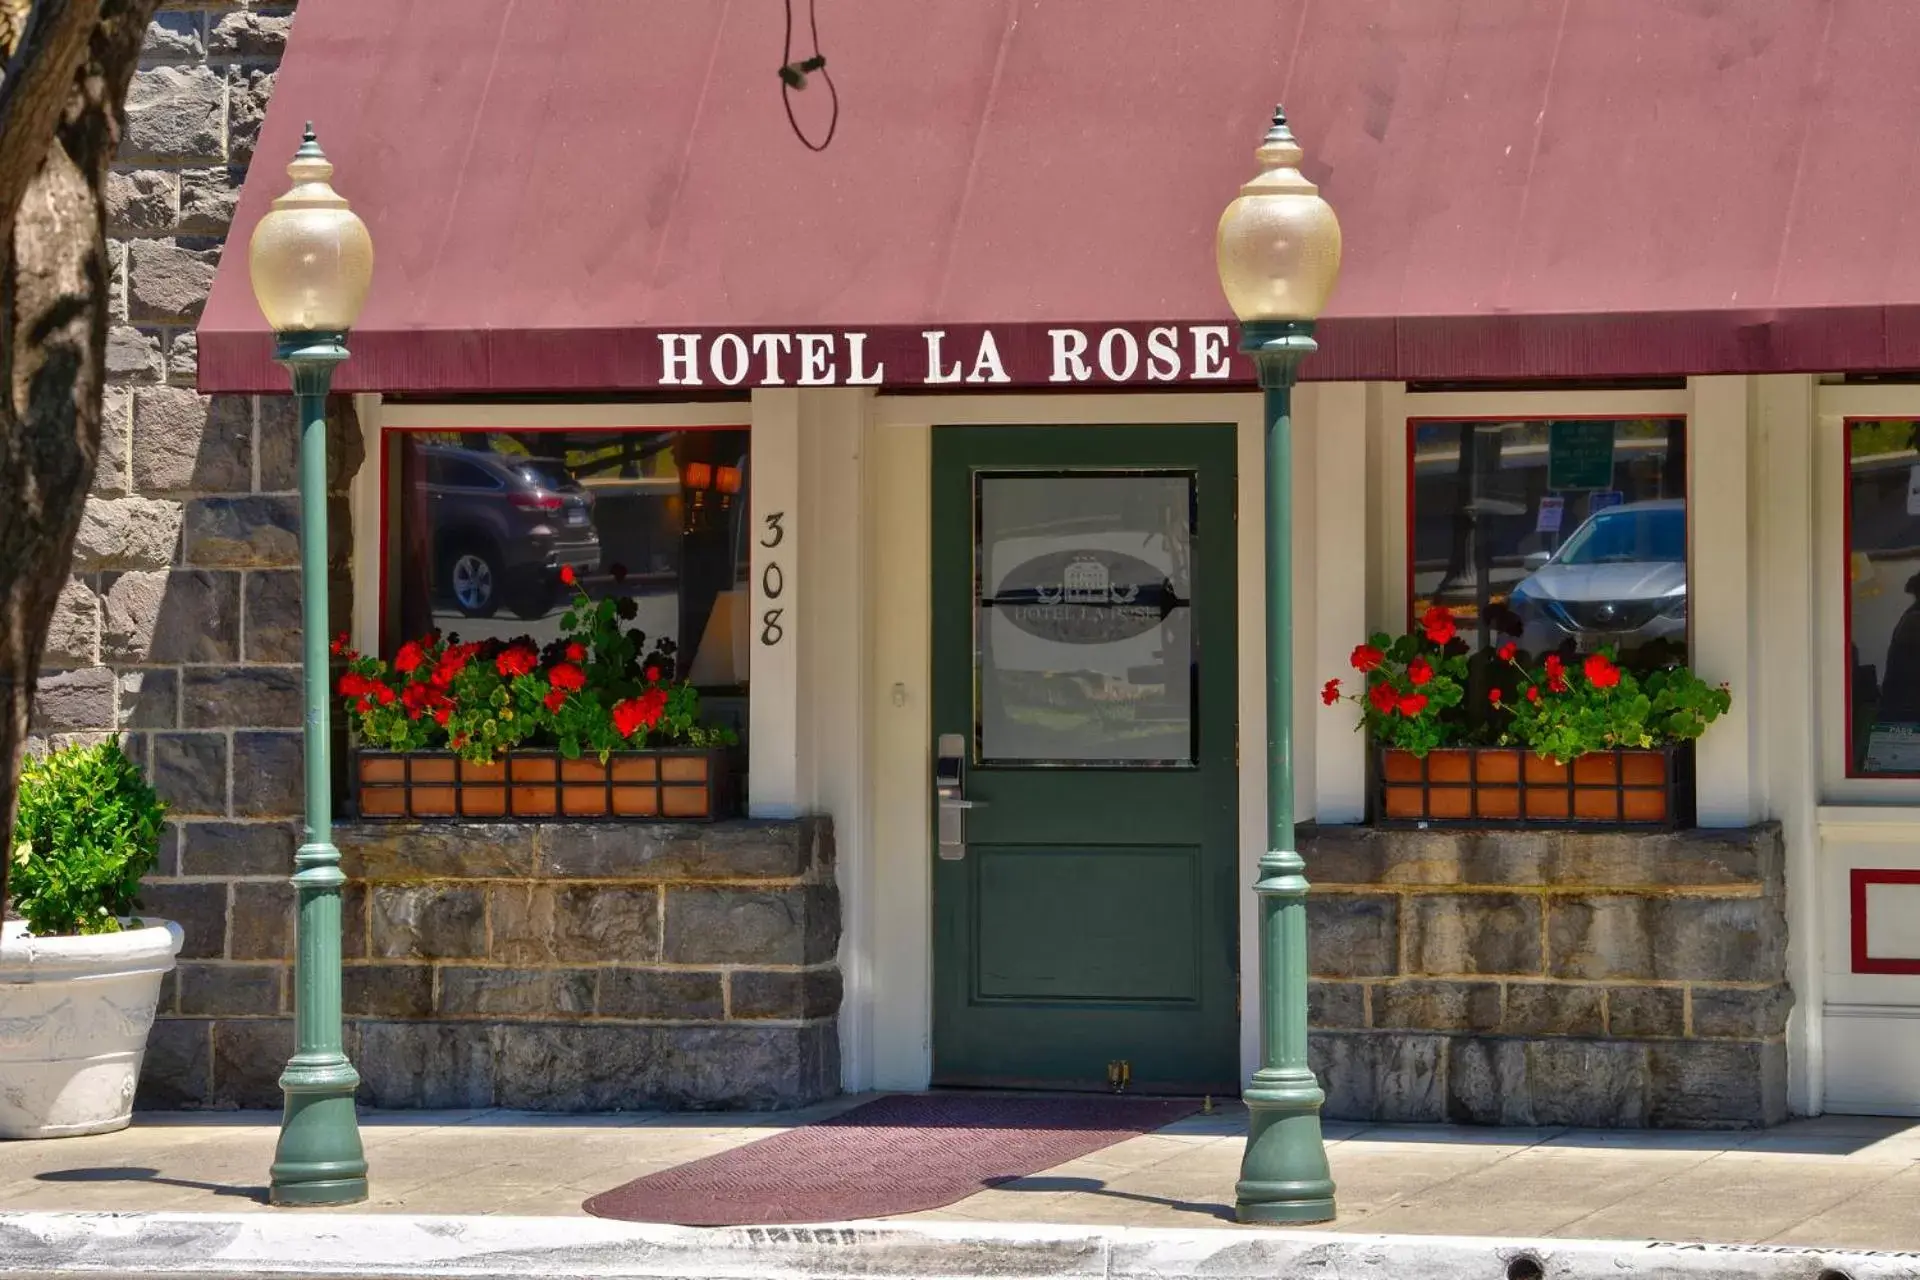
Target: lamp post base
x,y
1283,1174
319,1159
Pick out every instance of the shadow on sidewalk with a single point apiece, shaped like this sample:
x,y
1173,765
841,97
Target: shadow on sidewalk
x,y
1095,1187
134,1173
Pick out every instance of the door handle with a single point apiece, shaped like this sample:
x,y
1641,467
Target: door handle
x,y
950,796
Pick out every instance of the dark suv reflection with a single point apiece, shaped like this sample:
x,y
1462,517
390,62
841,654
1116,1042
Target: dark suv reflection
x,y
503,526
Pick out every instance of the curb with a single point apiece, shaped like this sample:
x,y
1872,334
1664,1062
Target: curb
x,y
246,1246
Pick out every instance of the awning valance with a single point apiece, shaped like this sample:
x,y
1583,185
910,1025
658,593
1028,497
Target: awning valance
x,y
603,195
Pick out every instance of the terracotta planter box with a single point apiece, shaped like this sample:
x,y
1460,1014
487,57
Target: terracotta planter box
x,y
1505,785
683,783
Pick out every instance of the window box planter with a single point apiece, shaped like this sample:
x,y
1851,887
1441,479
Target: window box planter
x,y
683,783
1494,786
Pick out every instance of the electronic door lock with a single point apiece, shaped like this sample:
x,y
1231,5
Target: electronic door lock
x,y
950,801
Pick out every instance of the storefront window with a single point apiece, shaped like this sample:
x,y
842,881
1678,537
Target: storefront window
x,y
1883,597
1567,535
480,524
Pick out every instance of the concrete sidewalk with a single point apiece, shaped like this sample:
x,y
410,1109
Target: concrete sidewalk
x,y
1833,1182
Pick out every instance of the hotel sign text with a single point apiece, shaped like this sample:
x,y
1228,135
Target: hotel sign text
x,y
952,356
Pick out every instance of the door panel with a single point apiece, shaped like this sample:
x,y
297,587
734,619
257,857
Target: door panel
x,y
1083,647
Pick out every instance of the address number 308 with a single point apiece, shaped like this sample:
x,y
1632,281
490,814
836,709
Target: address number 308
x,y
773,579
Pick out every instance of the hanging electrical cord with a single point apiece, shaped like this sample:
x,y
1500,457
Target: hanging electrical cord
x,y
793,77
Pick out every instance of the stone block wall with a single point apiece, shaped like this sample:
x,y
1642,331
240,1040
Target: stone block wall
x,y
1543,977
560,966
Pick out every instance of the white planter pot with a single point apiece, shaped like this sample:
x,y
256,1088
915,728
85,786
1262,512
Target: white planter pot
x,y
74,1017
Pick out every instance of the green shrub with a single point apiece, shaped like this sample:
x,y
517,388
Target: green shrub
x,y
89,829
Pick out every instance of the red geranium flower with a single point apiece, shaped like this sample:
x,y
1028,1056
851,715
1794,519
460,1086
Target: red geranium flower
x,y
340,643
1437,622
1365,657
641,712
1601,671
442,714
567,677
576,652
1533,693
653,675
1556,674
1493,696
567,575
1412,704
383,695
1508,650
517,660
352,685
1384,698
1419,671
556,698
408,660
1330,692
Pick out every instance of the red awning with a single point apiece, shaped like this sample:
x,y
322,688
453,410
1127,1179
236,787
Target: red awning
x,y
1590,188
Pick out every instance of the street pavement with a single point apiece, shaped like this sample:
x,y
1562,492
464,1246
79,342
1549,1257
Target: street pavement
x,y
1842,1182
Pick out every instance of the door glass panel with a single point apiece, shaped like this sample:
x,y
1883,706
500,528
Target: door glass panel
x,y
1083,637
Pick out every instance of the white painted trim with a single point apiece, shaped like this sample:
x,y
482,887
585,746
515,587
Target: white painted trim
x,y
829,602
899,764
1093,410
412,416
1782,709
364,517
779,772
1883,400
1907,1011
1342,550
1387,412
1833,404
1869,824
1518,405
1720,599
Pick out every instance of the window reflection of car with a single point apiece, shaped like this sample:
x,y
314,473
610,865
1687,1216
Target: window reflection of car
x,y
503,527
1620,581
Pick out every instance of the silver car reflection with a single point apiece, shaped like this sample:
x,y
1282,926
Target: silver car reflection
x,y
1620,581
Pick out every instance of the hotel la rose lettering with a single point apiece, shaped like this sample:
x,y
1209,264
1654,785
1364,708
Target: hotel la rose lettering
x,y
954,356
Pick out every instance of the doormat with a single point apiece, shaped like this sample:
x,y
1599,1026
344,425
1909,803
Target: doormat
x,y
898,1154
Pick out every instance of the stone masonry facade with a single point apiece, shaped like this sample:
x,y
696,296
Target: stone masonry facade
x,y
1549,977
556,966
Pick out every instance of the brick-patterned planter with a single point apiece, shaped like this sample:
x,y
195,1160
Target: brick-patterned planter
x,y
1507,785
680,783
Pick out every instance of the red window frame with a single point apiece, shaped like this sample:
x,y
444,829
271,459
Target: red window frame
x,y
1858,881
1852,770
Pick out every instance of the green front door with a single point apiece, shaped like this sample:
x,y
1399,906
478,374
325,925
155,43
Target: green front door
x,y
1083,662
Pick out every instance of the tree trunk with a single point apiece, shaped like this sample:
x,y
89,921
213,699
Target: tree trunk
x,y
61,112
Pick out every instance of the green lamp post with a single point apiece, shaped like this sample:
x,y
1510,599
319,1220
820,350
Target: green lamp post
x,y
1279,254
311,261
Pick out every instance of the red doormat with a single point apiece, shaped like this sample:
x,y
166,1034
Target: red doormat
x,y
899,1154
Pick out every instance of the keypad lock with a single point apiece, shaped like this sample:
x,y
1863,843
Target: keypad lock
x,y
950,796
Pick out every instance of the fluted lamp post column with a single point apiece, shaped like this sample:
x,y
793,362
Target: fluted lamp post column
x,y
311,261
1279,254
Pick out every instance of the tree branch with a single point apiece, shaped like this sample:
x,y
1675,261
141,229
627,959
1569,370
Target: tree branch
x,y
37,88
